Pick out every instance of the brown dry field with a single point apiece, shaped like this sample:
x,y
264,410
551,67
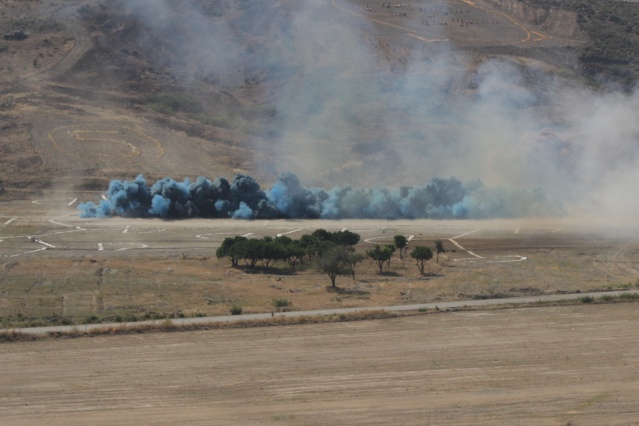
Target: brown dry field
x,y
55,264
571,365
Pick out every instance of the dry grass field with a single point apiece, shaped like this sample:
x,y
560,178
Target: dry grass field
x,y
57,265
575,365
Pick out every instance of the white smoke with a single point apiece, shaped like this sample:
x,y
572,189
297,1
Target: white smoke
x,y
361,103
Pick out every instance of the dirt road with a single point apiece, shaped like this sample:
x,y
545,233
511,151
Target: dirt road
x,y
328,312
538,366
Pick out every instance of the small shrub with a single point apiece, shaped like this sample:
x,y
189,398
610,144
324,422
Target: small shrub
x,y
236,310
130,318
281,303
170,103
587,299
422,309
92,319
629,296
607,298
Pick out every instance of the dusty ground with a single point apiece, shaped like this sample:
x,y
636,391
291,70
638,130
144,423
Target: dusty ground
x,y
539,366
56,265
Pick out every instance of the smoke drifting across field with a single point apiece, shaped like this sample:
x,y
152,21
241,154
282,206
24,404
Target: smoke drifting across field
x,y
361,103
244,199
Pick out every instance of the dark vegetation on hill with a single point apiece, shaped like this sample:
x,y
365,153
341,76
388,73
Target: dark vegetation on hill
x,y
612,27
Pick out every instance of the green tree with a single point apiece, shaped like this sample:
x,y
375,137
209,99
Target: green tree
x,y
439,248
250,251
311,245
421,254
381,255
334,261
226,249
271,251
401,242
353,260
346,238
292,250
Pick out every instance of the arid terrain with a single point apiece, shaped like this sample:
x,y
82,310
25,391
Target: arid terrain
x,y
574,365
60,266
341,93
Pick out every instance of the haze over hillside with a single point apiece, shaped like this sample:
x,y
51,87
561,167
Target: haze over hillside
x,y
516,94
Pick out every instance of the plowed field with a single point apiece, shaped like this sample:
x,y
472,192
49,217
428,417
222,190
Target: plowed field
x,y
539,366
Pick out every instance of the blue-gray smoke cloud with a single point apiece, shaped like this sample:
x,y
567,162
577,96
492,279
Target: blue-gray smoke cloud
x,y
440,198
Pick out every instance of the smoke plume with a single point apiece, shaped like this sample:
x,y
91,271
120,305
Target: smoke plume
x,y
440,198
357,101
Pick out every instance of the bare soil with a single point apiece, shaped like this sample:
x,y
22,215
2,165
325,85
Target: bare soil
x,y
539,366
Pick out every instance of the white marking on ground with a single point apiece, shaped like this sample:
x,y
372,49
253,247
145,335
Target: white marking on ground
x,y
55,203
135,245
155,231
26,252
410,237
61,224
205,236
467,233
514,258
61,232
100,247
43,243
10,220
247,235
104,197
372,228
452,240
289,232
344,229
126,229
370,240
517,230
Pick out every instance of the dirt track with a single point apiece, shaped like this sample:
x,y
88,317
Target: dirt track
x,y
529,366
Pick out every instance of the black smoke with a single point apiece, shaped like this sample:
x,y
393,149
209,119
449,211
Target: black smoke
x,y
440,198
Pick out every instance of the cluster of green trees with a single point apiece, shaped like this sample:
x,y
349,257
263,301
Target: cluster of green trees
x,y
269,250
332,253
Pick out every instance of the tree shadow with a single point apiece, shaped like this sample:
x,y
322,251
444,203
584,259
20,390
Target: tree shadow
x,y
261,270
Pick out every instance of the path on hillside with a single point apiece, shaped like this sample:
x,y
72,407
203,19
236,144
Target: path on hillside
x,y
82,44
322,312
